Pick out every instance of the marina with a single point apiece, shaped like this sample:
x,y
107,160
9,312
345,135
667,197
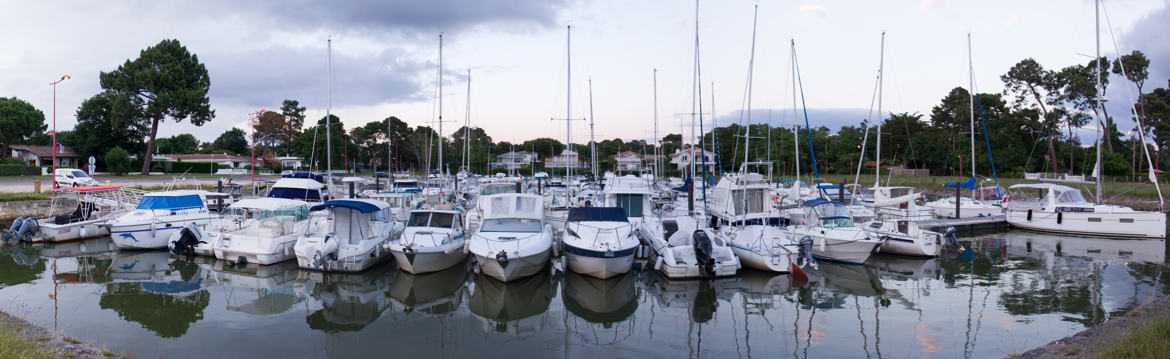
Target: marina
x,y
1006,294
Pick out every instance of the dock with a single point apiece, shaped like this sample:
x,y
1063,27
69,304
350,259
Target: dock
x,y
967,227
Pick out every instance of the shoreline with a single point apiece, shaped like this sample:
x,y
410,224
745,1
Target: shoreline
x,y
52,343
1093,342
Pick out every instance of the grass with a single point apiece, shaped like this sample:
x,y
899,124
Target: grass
x,y
12,197
1150,340
14,345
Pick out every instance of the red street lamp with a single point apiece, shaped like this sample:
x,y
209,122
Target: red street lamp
x,y
54,173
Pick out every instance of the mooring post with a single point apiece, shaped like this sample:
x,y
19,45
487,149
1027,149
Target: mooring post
x,y
958,192
352,193
841,192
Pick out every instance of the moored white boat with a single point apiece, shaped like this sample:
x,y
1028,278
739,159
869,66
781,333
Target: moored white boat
x,y
158,215
79,214
1061,209
906,237
833,235
432,241
266,231
349,239
680,248
512,241
599,241
751,230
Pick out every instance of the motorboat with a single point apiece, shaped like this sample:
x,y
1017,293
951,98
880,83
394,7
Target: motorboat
x,y
1054,208
970,208
739,205
259,230
680,248
304,189
473,218
401,203
632,194
599,241
75,213
513,241
831,233
906,237
432,241
157,217
239,216
349,238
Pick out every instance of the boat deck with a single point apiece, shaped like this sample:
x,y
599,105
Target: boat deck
x,y
969,226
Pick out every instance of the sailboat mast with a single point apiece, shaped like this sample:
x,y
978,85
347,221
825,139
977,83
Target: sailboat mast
x,y
795,115
1100,91
881,77
440,134
328,116
747,133
657,143
568,101
971,98
592,142
467,128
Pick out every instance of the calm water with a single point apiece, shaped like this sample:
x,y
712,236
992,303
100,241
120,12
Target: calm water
x,y
1006,294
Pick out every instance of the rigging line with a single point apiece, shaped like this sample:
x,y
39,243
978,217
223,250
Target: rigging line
x,y
699,101
1133,107
747,133
808,130
865,138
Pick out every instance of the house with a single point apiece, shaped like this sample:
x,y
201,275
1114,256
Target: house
x,y
628,161
290,162
223,159
513,160
567,158
682,158
39,156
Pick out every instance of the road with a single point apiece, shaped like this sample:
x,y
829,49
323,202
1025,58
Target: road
x,y
21,185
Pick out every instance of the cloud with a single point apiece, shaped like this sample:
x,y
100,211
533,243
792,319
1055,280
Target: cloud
x,y
930,4
1147,35
814,10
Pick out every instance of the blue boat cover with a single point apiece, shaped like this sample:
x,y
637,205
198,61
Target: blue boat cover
x,y
309,175
171,202
597,214
965,184
308,195
361,206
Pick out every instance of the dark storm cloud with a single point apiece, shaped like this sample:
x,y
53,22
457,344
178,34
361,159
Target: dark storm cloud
x,y
264,77
1147,35
408,16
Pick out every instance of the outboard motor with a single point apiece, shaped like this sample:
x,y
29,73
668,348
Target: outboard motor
x,y
952,237
703,249
804,252
189,237
22,228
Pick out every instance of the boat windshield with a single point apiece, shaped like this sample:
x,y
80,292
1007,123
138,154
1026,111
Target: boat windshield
x,y
431,219
755,200
519,225
1068,196
171,202
497,189
832,215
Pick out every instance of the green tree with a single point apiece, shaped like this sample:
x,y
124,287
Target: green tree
x,y
269,130
118,161
100,129
1026,82
164,81
178,144
294,120
232,141
19,121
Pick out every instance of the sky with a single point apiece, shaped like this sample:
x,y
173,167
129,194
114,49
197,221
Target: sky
x,y
385,57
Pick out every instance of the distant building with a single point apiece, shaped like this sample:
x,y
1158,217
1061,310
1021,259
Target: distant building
x,y
681,158
223,159
513,160
290,162
567,158
628,161
38,156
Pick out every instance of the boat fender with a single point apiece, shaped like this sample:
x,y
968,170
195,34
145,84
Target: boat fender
x,y
822,244
1029,215
1059,217
658,263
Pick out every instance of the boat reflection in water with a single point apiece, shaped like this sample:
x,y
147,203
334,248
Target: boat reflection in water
x,y
513,307
164,294
601,301
347,301
432,293
270,286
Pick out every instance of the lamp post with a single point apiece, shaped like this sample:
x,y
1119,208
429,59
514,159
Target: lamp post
x,y
54,147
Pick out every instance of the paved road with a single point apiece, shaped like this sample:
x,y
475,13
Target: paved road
x,y
26,185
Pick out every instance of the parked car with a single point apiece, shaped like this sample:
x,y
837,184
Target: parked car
x,y
72,177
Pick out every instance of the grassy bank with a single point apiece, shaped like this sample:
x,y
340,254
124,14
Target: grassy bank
x,y
14,345
12,197
1149,340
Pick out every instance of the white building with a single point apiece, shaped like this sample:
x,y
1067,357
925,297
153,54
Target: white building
x,y
628,161
567,158
290,162
682,158
37,156
224,160
514,160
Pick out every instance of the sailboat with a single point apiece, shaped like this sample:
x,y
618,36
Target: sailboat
x,y
1049,207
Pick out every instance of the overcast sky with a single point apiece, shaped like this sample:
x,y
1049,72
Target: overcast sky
x,y
385,56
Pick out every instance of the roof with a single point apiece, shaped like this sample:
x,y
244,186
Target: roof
x,y
45,151
627,153
267,203
361,205
206,157
302,183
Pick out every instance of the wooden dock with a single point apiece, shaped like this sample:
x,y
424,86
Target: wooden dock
x,y
966,227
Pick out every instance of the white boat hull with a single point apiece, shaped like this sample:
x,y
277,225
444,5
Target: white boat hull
x,y
766,262
927,246
52,232
148,236
516,267
1136,224
428,259
599,264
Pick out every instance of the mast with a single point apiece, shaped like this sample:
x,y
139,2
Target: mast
x,y
971,79
467,128
881,77
657,143
592,142
715,134
747,132
440,134
795,126
568,101
328,116
1097,31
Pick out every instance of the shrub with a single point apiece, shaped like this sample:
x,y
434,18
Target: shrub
x,y
11,170
12,161
118,161
194,167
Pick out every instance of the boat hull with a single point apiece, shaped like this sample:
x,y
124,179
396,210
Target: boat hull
x,y
766,262
146,236
599,264
515,268
52,232
1137,224
428,259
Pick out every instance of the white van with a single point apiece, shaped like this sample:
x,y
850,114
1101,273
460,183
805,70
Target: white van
x,y
72,177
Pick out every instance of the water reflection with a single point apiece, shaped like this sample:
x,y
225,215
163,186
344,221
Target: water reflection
x,y
1001,294
162,294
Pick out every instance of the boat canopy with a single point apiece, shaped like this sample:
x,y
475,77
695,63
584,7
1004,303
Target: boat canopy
x,y
597,214
965,184
296,188
514,205
306,175
270,204
828,209
170,201
360,205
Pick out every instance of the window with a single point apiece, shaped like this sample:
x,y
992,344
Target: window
x,y
632,203
1127,220
755,201
442,220
418,219
523,225
79,174
1093,219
